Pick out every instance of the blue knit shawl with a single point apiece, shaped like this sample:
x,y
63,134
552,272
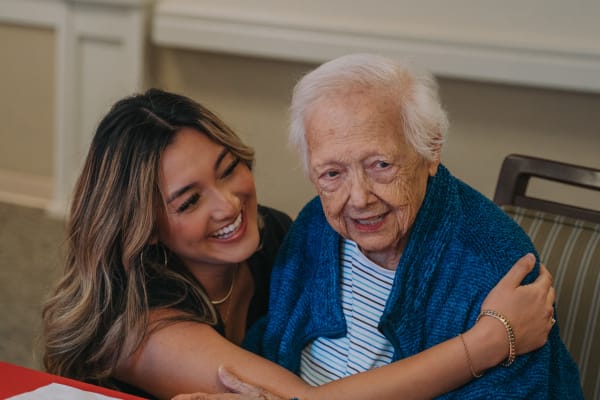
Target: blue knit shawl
x,y
460,246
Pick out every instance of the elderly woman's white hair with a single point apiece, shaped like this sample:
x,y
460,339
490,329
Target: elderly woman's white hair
x,y
423,119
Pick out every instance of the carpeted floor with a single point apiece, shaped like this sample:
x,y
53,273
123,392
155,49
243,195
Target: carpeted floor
x,y
31,254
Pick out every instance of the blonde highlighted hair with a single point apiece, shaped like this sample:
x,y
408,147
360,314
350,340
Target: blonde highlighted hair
x,y
113,275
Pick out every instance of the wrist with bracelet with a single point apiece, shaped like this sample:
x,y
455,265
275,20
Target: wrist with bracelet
x,y
512,343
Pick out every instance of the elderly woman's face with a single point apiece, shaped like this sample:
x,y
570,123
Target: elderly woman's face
x,y
371,183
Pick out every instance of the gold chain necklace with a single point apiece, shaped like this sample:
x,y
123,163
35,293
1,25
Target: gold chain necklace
x,y
228,295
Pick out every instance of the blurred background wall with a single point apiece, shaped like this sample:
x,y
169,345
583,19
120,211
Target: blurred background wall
x,y
27,114
64,62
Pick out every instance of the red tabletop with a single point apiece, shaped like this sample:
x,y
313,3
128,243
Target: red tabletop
x,y
16,380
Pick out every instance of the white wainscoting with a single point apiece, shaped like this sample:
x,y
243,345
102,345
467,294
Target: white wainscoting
x,y
543,43
25,189
99,56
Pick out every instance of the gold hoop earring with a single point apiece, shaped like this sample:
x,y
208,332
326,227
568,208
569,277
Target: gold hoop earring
x,y
165,259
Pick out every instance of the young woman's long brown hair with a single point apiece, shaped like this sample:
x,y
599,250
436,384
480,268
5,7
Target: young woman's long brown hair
x,y
113,274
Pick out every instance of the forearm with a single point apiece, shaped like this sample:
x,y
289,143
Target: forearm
x,y
451,364
430,373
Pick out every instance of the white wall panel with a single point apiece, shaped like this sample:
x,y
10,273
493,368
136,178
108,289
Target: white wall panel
x,y
546,43
100,57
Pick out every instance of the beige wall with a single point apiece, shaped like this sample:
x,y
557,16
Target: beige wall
x,y
488,121
26,112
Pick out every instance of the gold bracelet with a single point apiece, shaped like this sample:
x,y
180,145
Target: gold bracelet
x,y
469,360
512,341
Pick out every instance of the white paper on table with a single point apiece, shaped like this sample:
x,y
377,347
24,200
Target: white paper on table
x,y
58,391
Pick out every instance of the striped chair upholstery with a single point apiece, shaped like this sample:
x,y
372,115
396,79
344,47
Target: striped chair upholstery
x,y
570,248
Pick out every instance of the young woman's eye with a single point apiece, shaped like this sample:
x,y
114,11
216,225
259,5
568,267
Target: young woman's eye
x,y
192,200
230,168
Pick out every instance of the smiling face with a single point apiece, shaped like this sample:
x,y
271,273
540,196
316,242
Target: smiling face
x,y
370,181
211,205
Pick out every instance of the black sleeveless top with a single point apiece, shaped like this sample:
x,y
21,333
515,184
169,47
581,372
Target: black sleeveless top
x,y
275,226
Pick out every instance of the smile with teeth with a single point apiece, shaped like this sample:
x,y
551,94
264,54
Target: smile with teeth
x,y
229,230
369,221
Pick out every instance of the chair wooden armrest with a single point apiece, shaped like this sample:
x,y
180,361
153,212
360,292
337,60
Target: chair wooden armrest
x,y
517,170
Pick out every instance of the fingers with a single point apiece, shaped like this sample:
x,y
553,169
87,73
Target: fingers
x,y
233,383
215,396
243,390
551,296
545,274
544,279
551,292
517,273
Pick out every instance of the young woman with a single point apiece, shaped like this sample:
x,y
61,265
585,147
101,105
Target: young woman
x,y
169,257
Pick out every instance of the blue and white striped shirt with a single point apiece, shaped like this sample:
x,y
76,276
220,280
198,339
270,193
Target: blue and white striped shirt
x,y
365,289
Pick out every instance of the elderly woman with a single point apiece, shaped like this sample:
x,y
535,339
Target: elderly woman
x,y
406,252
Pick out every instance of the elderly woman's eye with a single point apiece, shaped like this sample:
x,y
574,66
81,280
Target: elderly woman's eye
x,y
330,174
330,180
382,164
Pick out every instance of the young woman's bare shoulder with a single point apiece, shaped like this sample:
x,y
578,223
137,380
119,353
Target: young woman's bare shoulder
x,y
175,357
